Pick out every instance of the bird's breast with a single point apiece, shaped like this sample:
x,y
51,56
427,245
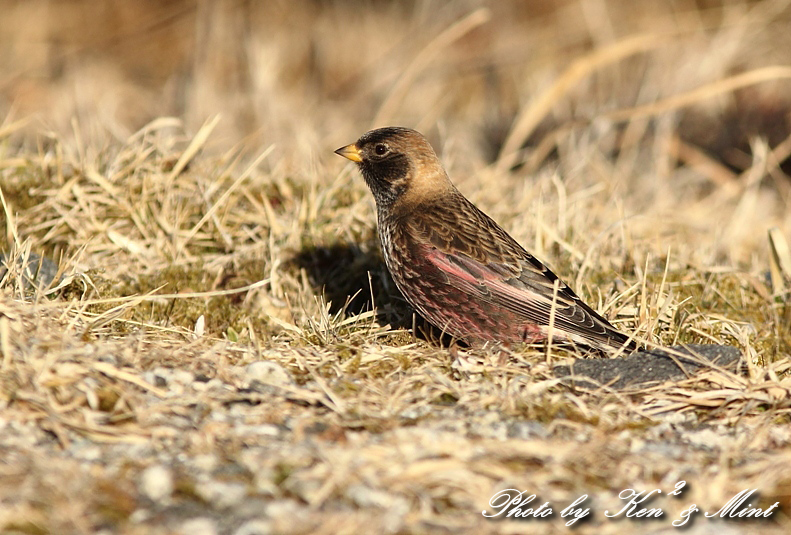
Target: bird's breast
x,y
394,248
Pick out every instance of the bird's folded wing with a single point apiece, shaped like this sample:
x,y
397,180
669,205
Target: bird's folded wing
x,y
525,290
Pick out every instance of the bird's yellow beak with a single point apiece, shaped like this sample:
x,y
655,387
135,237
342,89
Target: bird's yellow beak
x,y
351,152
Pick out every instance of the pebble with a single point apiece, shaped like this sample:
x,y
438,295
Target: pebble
x,y
365,496
527,430
198,526
109,358
780,436
709,438
86,451
256,526
156,482
284,509
221,494
268,372
205,462
39,271
211,384
183,377
260,430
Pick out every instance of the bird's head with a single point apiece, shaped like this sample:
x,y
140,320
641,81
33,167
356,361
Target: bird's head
x,y
398,164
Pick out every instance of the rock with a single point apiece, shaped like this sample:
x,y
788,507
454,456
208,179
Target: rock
x,y
526,430
257,526
709,438
205,462
198,526
39,271
644,367
220,494
283,510
268,372
156,482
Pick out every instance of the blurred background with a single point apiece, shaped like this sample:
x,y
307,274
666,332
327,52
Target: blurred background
x,y
281,70
669,101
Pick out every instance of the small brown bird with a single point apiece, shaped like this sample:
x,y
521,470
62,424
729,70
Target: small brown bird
x,y
455,265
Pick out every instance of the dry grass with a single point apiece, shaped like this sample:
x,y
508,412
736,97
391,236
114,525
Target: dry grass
x,y
175,163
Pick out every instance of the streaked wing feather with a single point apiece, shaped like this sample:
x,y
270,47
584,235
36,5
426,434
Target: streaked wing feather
x,y
477,256
533,302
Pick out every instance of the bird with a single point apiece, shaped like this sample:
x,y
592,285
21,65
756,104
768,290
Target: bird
x,y
455,265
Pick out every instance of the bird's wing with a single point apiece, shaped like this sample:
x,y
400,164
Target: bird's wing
x,y
478,257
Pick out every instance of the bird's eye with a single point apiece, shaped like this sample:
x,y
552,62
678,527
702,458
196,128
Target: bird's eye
x,y
380,149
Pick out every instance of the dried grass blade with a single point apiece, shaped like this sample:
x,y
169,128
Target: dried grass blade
x,y
111,371
194,147
531,116
726,85
779,261
454,32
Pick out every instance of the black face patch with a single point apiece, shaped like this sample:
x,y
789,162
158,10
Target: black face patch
x,y
392,168
386,165
386,176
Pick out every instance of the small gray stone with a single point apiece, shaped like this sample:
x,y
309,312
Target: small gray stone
x,y
140,516
709,438
109,358
156,482
260,430
268,372
87,452
198,526
221,494
364,496
527,430
205,462
182,376
258,526
284,509
208,386
39,271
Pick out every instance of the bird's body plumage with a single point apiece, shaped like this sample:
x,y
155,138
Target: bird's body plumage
x,y
455,265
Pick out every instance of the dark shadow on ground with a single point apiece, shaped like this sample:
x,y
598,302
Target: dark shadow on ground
x,y
354,274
